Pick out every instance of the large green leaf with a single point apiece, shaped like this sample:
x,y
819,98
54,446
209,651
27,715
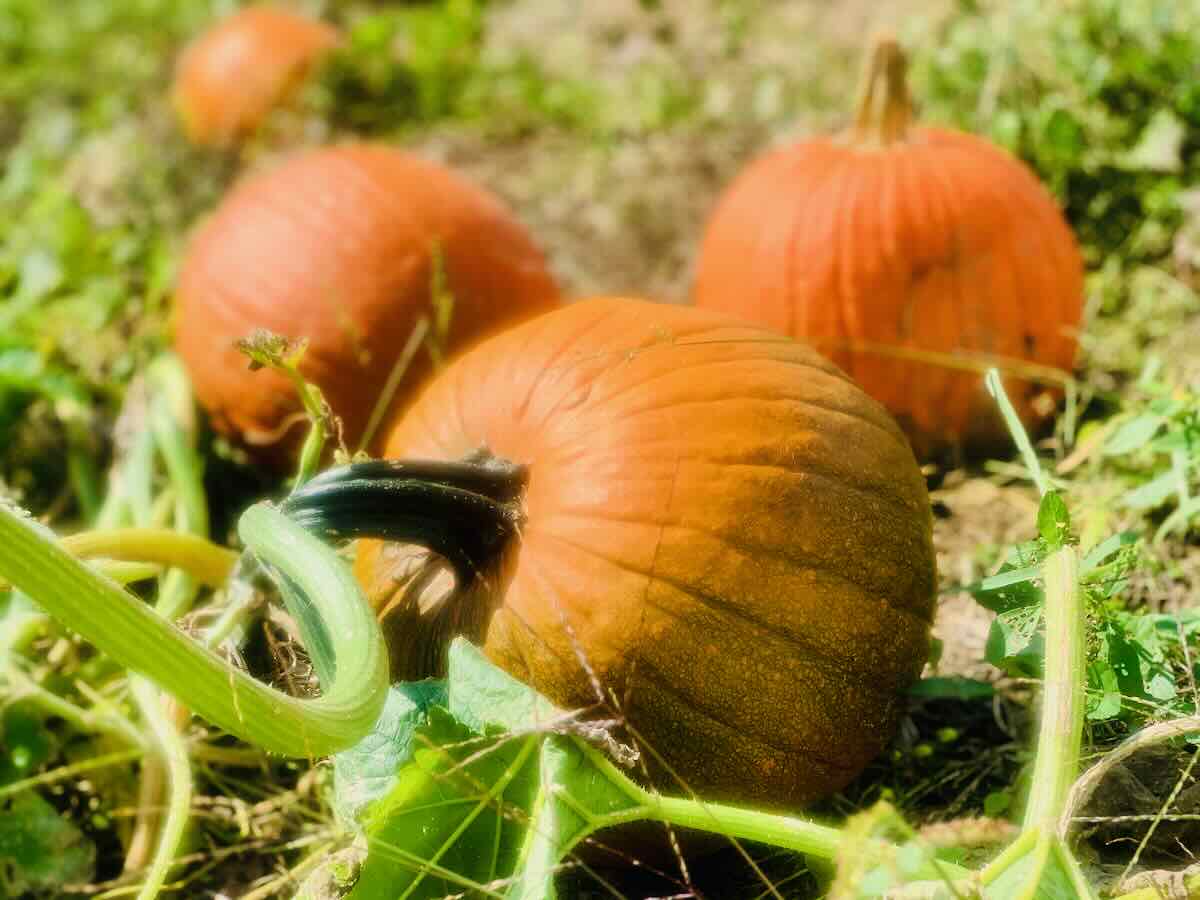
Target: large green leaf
x,y
456,817
481,695
575,797
367,771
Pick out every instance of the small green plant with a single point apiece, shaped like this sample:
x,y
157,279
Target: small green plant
x,y
1154,449
403,66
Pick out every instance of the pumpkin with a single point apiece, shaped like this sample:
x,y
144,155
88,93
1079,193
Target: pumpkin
x,y
730,533
913,256
341,246
229,79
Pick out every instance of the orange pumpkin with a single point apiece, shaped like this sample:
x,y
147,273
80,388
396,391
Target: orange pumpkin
x,y
341,246
731,534
912,256
232,76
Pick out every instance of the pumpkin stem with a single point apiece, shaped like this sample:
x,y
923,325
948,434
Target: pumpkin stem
x,y
884,105
466,512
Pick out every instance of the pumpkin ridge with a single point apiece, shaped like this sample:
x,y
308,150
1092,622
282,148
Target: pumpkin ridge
x,y
817,365
845,480
836,264
815,653
894,434
664,682
555,362
1026,203
720,604
946,195
847,256
1024,208
903,506
820,366
1069,306
790,258
842,170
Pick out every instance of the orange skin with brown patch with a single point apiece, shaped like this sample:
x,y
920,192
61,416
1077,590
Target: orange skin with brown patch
x,y
906,238
338,246
734,536
230,78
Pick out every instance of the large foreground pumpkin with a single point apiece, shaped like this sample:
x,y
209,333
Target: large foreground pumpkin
x,y
229,78
729,532
341,246
903,252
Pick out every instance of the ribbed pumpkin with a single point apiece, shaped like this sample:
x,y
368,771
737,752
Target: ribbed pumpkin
x,y
229,79
341,246
732,534
908,254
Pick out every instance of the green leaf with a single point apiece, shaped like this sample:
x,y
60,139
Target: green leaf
x,y
1046,871
1062,136
473,803
1162,687
369,769
1014,643
456,817
1133,435
1101,553
1015,585
482,696
41,274
1125,661
25,742
574,796
953,687
1160,144
1008,589
39,849
1153,493
997,803
1053,520
1104,697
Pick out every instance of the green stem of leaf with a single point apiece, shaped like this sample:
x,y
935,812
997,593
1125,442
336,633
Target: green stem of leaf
x,y
174,754
1061,729
788,832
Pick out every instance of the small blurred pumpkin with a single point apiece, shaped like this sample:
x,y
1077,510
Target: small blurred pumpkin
x,y
229,79
341,246
913,256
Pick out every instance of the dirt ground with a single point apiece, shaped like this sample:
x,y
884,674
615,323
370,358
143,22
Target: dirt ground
x,y
626,217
